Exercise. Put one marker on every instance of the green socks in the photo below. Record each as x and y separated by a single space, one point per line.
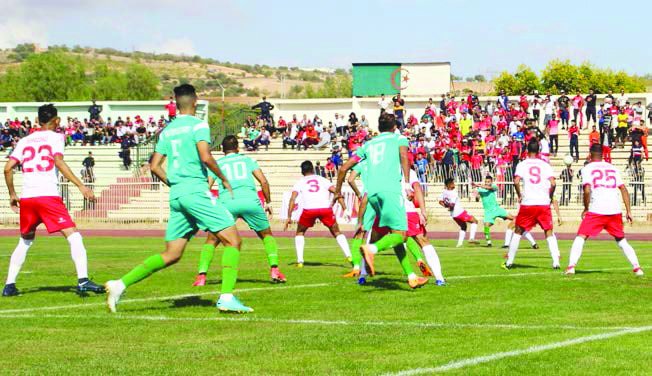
356 256
205 258
402 258
414 248
272 250
487 233
389 241
230 260
149 266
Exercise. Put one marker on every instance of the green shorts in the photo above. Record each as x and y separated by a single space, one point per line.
390 209
368 218
491 215
249 210
196 212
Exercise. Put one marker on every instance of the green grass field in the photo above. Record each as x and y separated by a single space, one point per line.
487 320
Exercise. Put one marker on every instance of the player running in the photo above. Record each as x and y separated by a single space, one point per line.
451 201
387 158
365 218
602 210
185 142
535 197
40 154
241 171
315 194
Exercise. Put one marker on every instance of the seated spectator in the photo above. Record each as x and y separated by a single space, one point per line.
290 136
311 137
324 140
281 126
251 137
264 138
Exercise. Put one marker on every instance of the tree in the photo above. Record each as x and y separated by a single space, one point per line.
479 78
142 84
22 51
53 76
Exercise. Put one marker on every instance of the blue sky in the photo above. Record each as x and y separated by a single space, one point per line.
477 37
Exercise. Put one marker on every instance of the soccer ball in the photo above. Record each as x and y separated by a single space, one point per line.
568 160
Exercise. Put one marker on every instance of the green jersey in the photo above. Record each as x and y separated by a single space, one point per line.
488 197
239 170
361 169
178 142
383 172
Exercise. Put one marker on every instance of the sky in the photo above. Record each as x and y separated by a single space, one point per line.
476 36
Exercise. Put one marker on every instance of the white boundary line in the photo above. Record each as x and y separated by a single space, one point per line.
509 354
172 297
161 298
415 324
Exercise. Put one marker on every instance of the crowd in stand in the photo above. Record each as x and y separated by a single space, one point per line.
466 139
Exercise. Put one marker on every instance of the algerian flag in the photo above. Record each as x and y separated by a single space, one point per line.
415 79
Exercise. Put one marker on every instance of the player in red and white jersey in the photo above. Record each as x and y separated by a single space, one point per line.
315 193
40 154
450 200
603 189
535 197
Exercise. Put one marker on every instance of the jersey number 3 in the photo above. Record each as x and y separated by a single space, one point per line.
314 185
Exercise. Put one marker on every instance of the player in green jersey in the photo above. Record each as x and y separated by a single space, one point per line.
492 209
387 176
185 143
242 171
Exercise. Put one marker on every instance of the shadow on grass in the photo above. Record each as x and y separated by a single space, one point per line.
312 263
379 284
49 289
192 301
217 281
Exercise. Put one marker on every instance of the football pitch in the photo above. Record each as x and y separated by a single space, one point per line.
487 321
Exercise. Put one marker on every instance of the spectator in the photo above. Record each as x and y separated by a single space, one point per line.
94 111
251 138
573 137
399 110
353 120
264 138
265 109
591 101
290 137
320 170
383 103
324 139
340 126
636 154
172 109
281 126
578 104
125 152
330 169
311 138
621 130
564 103
89 164
594 136
567 183
622 99
548 110
364 123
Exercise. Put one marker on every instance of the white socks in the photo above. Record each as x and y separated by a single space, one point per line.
433 261
474 228
341 241
78 253
299 243
373 249
576 251
460 238
629 253
17 259
508 236
529 237
554 250
513 247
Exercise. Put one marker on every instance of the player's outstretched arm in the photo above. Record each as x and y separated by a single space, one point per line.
9 179
337 198
156 167
352 183
62 166
204 150
264 185
341 174
628 206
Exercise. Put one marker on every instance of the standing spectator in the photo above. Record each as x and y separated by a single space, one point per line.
89 164
548 109
125 152
622 99
265 109
399 110
94 111
621 130
567 183
590 101
353 120
330 169
523 102
443 105
594 136
503 101
578 104
383 103
536 107
340 125
320 170
172 109
573 137
564 103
